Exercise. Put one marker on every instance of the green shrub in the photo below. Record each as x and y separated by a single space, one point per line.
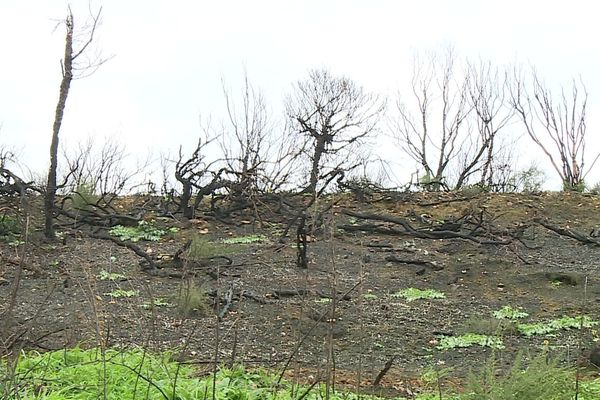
530 180
9 226
84 196
578 187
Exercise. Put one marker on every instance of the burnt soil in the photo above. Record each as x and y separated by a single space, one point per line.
282 313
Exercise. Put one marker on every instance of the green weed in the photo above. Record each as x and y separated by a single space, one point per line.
370 296
507 312
412 294
120 293
563 323
110 276
145 230
468 340
249 239
159 302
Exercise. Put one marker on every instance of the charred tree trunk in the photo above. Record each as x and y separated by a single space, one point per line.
65 84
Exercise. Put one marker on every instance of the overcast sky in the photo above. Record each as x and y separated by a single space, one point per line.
170 57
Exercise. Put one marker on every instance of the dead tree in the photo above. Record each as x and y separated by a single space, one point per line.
71 65
333 115
486 87
557 128
197 178
433 146
245 142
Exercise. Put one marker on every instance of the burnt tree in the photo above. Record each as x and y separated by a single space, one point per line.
70 66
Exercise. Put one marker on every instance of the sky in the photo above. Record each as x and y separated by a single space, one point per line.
168 59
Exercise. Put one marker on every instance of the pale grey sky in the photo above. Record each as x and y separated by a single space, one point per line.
169 57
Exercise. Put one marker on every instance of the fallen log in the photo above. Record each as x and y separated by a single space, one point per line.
408 229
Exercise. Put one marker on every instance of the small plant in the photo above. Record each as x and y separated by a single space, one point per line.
412 294
432 376
159 302
530 180
468 340
192 300
16 243
578 187
120 293
144 231
249 239
507 312
370 296
111 276
201 248
595 189
84 197
563 323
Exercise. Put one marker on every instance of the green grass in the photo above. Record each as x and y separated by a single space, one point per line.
78 374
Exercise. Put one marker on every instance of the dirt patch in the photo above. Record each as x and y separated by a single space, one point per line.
344 305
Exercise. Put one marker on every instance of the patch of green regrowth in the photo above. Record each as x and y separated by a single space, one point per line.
158 302
564 323
578 187
370 296
412 294
111 276
433 376
595 189
508 312
84 197
530 180
122 293
248 239
192 300
10 227
468 340
146 231
201 248
78 374
555 284
540 378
